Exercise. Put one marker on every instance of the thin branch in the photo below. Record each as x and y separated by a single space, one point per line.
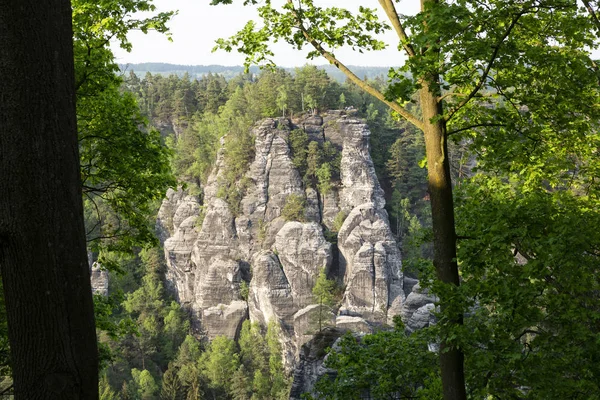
116 235
355 79
7 390
592 14
99 137
458 94
473 126
97 215
486 72
506 97
527 331
460 237
450 94
390 10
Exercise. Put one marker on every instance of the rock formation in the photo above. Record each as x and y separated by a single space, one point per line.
311 360
99 279
257 265
98 276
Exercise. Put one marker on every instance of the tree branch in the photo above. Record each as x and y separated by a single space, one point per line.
486 72
473 126
6 391
390 10
97 215
355 79
592 14
458 94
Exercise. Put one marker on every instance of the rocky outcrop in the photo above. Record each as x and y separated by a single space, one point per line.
257 265
311 360
177 207
270 292
369 258
98 275
176 227
217 298
303 252
417 310
274 178
99 279
359 180
370 261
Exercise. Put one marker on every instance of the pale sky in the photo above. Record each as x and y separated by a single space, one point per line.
198 25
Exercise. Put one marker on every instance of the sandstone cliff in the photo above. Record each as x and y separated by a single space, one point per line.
226 268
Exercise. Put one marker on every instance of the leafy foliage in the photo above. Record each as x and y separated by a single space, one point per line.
219 363
535 324
298 141
125 171
125 167
294 208
324 292
142 329
387 364
338 221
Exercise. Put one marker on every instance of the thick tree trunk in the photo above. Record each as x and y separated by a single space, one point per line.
42 238
444 233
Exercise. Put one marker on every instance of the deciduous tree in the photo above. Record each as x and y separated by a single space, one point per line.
43 256
466 61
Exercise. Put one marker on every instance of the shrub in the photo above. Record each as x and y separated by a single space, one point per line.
244 290
338 221
294 207
298 141
200 219
262 230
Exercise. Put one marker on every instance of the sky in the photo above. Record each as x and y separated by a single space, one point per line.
197 25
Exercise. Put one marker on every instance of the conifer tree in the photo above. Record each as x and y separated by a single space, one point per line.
324 294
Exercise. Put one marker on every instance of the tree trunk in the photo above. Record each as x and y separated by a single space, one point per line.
43 256
444 234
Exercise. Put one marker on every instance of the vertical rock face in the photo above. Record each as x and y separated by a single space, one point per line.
371 265
99 279
370 260
257 265
98 276
359 181
311 362
176 231
270 293
217 301
302 251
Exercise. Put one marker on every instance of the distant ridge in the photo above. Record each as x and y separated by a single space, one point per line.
198 71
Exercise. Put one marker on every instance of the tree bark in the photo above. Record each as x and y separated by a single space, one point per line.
43 257
444 233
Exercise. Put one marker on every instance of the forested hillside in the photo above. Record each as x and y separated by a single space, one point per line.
424 235
193 114
228 72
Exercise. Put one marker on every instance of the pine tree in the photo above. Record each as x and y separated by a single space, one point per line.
171 388
253 349
324 294
280 385
218 364
104 389
342 100
241 385
282 99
